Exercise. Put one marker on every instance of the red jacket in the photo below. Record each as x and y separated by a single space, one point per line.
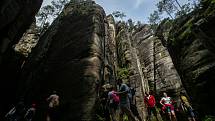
150 101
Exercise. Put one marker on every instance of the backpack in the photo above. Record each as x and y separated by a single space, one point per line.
115 97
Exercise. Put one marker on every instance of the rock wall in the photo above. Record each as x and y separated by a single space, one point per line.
129 61
15 17
156 64
192 50
28 40
68 58
110 51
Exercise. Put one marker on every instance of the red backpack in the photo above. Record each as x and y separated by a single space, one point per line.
115 97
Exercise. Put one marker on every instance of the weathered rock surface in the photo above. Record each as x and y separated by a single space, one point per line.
129 61
157 63
68 58
15 17
28 41
110 51
192 50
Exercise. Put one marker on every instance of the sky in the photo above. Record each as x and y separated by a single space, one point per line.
137 10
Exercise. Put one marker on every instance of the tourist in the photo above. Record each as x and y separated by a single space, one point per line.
124 102
113 100
53 100
167 102
186 106
150 102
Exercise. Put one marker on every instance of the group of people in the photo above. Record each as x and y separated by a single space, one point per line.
168 106
20 113
123 100
112 100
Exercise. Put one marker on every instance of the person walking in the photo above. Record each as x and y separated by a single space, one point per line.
124 102
150 102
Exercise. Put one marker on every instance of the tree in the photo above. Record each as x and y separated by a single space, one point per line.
43 15
166 6
58 5
130 24
185 9
154 19
119 14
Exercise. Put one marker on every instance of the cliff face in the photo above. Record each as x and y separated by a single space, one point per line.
28 41
192 50
110 51
68 58
129 68
15 17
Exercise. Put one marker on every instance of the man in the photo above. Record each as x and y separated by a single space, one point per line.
124 102
150 104
53 100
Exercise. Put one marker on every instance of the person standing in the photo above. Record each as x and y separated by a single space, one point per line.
150 104
186 106
167 102
113 100
53 100
124 102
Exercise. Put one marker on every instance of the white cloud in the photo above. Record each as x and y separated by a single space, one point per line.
138 3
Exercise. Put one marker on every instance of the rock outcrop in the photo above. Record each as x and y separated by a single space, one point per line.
68 58
156 63
15 17
28 40
192 50
129 68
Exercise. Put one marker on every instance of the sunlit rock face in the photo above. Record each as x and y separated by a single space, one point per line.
156 63
68 58
192 50
15 17
129 61
28 41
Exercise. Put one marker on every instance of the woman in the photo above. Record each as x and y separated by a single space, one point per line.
167 105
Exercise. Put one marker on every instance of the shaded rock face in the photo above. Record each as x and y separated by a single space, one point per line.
110 51
156 63
68 58
15 17
192 50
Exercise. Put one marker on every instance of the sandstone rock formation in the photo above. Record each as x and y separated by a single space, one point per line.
15 17
156 63
192 50
28 41
68 58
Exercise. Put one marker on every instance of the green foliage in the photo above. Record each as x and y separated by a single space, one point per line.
123 73
48 13
154 19
119 14
166 6
209 118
